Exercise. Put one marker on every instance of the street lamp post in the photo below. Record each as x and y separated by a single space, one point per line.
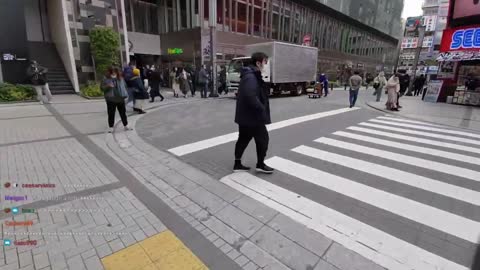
212 24
421 36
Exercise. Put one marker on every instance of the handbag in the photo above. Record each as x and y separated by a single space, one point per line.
123 89
376 85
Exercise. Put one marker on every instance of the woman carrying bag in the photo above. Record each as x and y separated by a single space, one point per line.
115 93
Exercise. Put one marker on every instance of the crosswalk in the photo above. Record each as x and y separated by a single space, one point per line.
440 163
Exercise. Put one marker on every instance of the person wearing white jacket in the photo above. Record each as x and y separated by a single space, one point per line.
379 84
393 88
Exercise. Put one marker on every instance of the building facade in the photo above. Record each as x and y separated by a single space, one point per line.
175 32
433 21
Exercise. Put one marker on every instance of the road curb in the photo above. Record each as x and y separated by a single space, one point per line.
416 119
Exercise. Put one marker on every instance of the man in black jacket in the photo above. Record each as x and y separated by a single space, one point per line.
37 75
252 114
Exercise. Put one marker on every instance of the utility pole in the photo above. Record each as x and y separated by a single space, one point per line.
421 36
212 24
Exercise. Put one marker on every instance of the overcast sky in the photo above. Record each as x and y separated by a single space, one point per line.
412 8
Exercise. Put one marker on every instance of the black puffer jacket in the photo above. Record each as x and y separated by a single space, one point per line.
253 107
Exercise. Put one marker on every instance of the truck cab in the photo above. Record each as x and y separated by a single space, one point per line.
233 72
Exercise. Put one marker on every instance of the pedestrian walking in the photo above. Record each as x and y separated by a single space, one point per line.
393 88
404 79
155 84
140 94
176 82
203 82
222 79
418 84
355 83
324 81
368 80
127 76
253 114
183 80
379 84
38 78
191 80
115 93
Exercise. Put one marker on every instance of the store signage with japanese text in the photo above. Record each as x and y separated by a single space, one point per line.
461 39
429 22
409 42
456 56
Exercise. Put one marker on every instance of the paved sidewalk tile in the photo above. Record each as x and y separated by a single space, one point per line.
30 129
162 251
77 245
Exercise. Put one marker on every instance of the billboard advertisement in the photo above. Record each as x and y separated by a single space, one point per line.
466 8
465 38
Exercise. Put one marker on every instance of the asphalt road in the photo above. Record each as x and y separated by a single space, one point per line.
411 190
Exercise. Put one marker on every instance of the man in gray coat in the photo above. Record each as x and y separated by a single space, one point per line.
355 83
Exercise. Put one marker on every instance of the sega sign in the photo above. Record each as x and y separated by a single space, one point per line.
466 39
461 39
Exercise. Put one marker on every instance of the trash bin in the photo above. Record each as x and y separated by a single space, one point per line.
450 99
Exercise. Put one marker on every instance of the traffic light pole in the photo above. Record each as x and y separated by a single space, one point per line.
212 23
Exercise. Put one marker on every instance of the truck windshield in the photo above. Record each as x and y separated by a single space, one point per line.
236 65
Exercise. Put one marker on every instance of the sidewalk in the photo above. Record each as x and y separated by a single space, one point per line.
442 113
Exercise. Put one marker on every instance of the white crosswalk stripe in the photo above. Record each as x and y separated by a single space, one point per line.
443 130
423 150
383 247
422 133
396 119
425 183
416 139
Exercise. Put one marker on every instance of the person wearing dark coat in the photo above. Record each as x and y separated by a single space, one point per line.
140 94
253 114
418 84
202 81
155 82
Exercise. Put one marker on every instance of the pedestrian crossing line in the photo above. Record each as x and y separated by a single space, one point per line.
413 148
416 139
444 221
414 161
417 181
443 130
212 142
388 118
422 133
381 248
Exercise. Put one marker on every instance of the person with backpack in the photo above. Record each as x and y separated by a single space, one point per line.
115 93
38 77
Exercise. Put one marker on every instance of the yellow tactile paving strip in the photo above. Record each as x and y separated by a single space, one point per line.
163 251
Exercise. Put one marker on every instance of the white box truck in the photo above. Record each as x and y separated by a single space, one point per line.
291 68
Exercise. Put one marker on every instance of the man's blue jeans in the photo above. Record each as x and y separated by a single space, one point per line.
353 97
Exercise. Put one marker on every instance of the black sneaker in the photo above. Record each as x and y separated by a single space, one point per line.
240 168
264 169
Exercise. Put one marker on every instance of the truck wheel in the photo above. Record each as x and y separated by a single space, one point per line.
298 90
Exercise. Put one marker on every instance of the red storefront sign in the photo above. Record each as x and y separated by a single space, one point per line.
465 38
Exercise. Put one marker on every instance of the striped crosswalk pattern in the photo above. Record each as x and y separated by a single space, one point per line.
438 162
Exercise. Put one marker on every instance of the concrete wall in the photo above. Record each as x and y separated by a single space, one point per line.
61 36
37 21
144 43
